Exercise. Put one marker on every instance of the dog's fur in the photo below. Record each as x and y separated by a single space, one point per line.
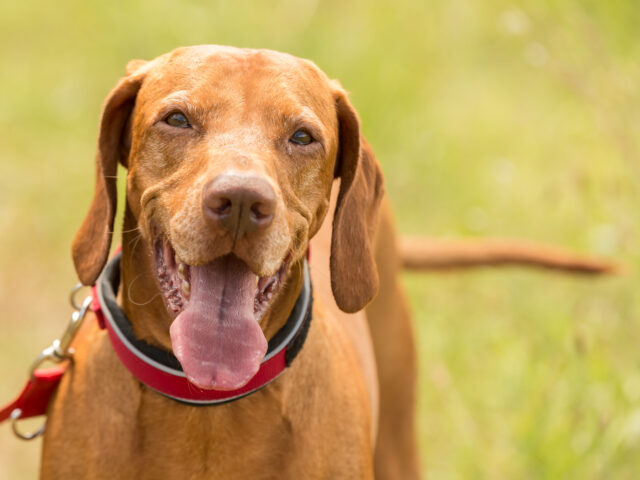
324 417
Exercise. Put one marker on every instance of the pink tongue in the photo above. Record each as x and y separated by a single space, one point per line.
216 337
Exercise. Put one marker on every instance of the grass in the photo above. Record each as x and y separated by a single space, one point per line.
490 118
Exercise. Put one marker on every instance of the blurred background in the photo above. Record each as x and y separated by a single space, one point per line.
492 118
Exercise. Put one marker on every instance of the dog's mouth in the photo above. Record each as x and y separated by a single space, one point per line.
217 308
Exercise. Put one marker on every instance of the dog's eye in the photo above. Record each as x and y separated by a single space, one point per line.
301 137
177 119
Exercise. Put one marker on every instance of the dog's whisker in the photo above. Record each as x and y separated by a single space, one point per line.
131 230
144 303
129 296
135 239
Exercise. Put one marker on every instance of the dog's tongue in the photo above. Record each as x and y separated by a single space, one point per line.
216 337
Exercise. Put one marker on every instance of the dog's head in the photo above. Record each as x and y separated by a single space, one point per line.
231 155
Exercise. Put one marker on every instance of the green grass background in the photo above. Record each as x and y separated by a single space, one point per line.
491 118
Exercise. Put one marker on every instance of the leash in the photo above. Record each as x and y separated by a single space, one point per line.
34 398
155 368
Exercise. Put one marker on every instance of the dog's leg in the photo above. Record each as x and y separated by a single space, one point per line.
396 453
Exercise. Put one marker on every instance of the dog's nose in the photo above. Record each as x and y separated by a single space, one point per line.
239 204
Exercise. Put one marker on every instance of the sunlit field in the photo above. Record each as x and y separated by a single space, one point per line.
492 118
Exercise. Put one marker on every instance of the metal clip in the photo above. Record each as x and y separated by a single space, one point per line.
15 416
58 351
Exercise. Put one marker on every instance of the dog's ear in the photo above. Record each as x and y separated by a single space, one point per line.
92 242
354 277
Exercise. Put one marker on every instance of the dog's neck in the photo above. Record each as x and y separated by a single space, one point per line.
142 302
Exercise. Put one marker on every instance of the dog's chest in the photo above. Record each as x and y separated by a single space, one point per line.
309 419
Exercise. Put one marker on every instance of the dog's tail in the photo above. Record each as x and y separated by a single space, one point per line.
418 253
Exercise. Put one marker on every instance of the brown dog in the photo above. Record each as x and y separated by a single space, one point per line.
231 158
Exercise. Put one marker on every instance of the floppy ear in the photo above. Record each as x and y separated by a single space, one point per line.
91 244
354 277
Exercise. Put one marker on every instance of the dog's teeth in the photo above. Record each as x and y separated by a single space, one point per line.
186 287
181 271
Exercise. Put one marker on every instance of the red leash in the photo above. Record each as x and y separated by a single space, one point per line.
35 396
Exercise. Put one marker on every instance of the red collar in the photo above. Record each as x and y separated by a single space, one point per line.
156 368
161 371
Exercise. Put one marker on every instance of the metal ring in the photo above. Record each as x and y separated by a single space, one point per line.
15 416
48 354
72 296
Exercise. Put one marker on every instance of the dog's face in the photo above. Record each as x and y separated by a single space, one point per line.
232 152
231 155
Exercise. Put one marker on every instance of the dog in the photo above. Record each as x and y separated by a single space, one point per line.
231 157
243 167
